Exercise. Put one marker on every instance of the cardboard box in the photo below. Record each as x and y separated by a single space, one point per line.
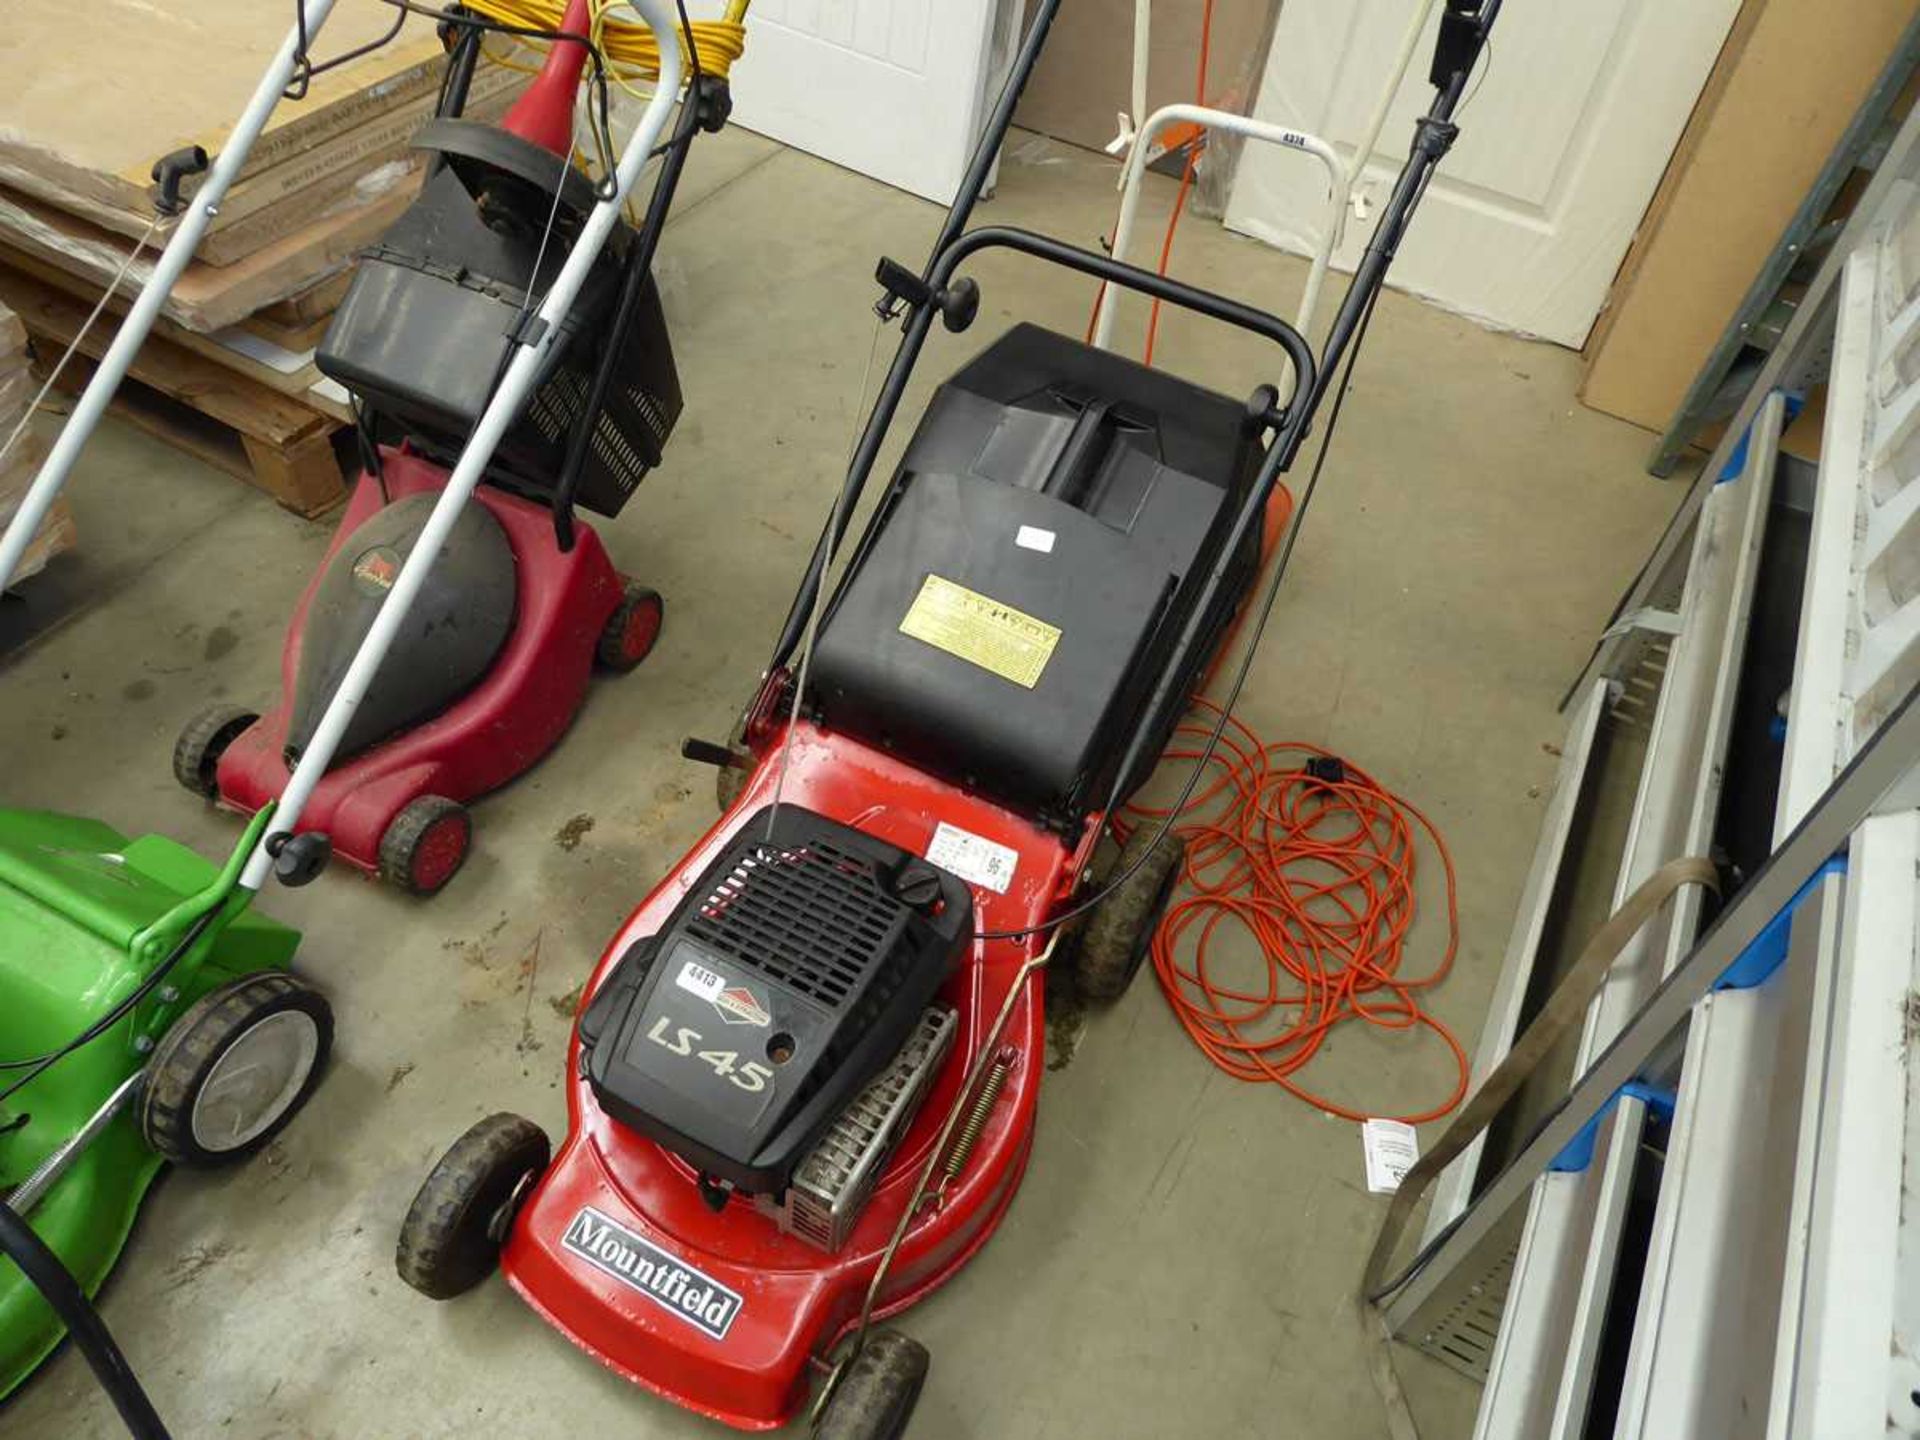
1085 75
1790 77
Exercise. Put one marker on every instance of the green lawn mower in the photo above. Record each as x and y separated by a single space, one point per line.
156 1022
146 1015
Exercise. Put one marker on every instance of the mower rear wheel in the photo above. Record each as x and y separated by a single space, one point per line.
629 635
874 1398
196 754
1120 928
426 844
451 1238
233 1070
728 782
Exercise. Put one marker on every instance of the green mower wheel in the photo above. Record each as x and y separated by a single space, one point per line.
231 1072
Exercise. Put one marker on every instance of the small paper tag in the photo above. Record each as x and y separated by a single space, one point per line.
701 981
1032 537
1391 1147
974 858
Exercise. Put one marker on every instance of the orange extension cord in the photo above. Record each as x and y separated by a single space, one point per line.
1322 874
1194 147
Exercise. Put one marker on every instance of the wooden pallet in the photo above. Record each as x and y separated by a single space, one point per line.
56 534
195 403
296 376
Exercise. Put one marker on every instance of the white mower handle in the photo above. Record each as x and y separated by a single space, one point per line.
488 431
192 224
1340 176
1339 187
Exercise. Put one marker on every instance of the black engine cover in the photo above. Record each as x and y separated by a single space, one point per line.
1037 553
446 644
788 977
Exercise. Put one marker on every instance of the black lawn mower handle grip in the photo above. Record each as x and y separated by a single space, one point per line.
1131 277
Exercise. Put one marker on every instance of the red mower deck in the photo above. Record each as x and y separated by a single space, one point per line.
793 1301
495 731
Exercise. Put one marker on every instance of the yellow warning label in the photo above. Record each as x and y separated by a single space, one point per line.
979 629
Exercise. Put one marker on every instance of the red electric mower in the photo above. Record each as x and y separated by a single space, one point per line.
491 664
801 1088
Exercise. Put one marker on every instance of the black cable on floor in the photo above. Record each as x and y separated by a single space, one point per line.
54 1281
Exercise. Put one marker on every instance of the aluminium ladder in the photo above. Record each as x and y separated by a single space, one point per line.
1733 1257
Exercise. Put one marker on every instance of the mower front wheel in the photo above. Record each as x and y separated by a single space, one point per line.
1119 931
874 1398
205 738
425 845
632 630
451 1238
233 1070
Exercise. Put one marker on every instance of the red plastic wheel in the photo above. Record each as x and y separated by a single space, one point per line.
441 849
631 631
426 844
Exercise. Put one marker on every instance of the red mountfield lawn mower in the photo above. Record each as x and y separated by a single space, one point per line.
801 1088
490 665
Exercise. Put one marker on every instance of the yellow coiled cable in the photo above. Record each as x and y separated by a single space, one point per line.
627 48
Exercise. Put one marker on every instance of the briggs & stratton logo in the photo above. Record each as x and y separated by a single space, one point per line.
740 1006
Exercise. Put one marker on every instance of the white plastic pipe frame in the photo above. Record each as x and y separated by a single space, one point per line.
1339 187
205 204
501 411
1340 176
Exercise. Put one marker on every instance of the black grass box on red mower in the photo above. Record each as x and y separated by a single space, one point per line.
145 1015
802 1085
493 659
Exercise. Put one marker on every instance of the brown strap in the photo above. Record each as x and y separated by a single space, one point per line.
1564 1008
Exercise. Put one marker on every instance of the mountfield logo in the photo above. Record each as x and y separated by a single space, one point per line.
679 1289
375 570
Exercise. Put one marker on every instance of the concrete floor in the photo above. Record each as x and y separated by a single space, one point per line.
1181 1260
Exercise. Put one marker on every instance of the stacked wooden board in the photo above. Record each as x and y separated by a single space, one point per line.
86 110
18 464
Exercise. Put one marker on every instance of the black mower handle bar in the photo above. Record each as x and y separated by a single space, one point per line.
937 294
1463 31
1131 277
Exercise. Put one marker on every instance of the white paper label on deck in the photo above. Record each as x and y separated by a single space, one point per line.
974 858
701 981
1032 537
1391 1147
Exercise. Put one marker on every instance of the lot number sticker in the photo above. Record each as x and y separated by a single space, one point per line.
974 858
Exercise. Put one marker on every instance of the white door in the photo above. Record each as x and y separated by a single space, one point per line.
1563 140
891 88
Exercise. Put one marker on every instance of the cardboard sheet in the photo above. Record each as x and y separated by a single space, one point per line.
1786 87
208 297
92 92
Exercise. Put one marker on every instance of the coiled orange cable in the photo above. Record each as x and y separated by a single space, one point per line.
1322 873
